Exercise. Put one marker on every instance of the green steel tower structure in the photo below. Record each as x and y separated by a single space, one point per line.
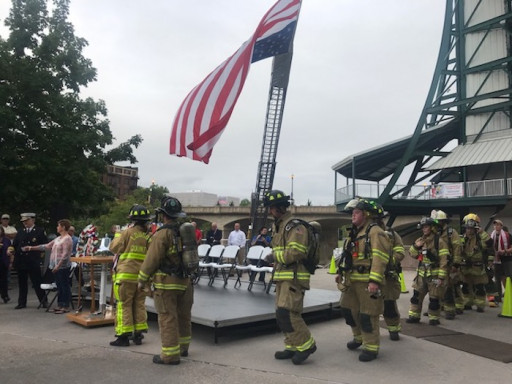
460 154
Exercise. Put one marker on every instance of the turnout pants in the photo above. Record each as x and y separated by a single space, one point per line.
174 309
131 315
473 288
361 312
423 286
391 292
289 305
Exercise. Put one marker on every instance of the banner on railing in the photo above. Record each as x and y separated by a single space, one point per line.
449 191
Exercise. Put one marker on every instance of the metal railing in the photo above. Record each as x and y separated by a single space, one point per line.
483 188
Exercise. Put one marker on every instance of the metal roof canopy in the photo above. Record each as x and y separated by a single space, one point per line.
377 163
482 152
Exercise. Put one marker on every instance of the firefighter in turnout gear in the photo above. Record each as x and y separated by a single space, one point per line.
131 246
392 289
173 292
361 276
453 301
477 252
289 247
432 253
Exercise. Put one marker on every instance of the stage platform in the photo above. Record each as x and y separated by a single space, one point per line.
218 307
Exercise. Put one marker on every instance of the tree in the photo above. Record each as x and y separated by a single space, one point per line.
53 142
245 203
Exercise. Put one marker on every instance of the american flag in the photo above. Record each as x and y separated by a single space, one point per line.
206 110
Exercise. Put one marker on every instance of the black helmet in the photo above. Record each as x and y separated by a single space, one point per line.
171 207
276 197
369 206
427 221
139 213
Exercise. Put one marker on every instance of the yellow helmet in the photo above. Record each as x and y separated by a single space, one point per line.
471 216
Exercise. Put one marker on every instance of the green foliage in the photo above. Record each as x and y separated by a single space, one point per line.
245 203
119 209
53 142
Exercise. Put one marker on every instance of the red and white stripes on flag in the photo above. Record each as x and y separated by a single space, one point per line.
206 110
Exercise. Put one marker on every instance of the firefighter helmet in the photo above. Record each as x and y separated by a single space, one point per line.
139 213
471 220
425 220
438 215
171 207
276 198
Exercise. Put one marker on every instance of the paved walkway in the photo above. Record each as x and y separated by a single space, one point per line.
36 346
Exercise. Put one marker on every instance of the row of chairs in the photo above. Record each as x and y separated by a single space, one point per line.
224 259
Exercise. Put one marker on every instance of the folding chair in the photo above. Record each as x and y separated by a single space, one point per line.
252 257
226 263
213 258
52 287
261 268
202 251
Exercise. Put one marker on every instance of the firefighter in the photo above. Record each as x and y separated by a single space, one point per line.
173 293
289 247
453 302
392 289
432 254
361 276
477 252
131 246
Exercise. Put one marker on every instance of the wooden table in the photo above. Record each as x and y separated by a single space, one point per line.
92 318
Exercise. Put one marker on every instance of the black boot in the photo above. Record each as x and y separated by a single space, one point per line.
394 336
354 344
300 356
413 320
137 338
121 341
367 356
283 355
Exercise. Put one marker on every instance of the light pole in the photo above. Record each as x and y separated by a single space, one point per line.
291 194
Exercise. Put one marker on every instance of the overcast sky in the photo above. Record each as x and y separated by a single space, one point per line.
359 78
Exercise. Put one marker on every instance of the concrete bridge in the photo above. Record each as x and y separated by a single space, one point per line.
330 220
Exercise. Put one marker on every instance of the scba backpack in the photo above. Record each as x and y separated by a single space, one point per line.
313 254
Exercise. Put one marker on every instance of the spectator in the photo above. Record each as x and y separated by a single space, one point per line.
71 232
264 240
214 235
5 263
60 263
237 237
502 257
28 263
9 230
199 234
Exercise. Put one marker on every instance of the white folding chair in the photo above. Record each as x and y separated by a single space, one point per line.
202 250
52 287
259 268
212 259
226 263
252 257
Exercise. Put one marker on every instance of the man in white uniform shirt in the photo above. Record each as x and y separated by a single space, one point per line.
237 237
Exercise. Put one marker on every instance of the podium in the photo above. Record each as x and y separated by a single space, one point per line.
93 318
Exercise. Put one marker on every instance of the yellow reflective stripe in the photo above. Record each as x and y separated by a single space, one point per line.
371 347
171 351
381 255
290 348
444 252
126 276
374 276
354 276
399 248
173 287
289 275
141 326
298 246
308 344
185 340
143 276
132 256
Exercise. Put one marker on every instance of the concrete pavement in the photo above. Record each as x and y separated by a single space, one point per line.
36 346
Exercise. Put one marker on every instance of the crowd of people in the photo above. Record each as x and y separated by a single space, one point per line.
456 272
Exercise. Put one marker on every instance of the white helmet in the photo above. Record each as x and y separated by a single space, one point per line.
438 215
